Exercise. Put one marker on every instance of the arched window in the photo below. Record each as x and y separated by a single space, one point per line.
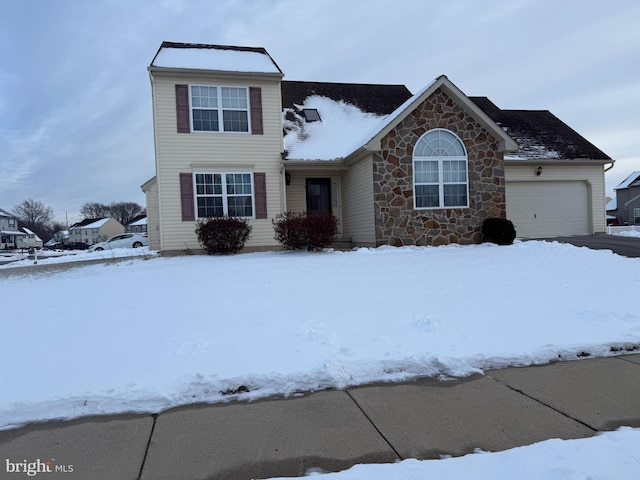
440 177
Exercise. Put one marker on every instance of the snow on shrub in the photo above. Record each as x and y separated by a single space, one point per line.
223 235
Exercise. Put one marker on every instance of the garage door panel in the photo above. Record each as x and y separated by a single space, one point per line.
548 209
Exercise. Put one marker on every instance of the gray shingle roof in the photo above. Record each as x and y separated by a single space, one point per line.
540 134
378 99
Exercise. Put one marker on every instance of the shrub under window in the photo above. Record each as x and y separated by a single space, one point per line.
223 235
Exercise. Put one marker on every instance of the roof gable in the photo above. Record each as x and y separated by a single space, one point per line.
540 134
632 180
505 141
4 213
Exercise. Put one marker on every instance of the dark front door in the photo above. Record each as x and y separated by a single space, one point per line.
318 195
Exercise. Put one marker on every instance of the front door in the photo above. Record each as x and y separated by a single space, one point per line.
318 195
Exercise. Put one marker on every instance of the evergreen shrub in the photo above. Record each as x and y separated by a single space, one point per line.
498 230
302 231
223 235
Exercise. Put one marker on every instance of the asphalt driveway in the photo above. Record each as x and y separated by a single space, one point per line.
626 246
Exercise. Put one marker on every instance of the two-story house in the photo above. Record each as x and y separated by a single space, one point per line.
625 207
137 225
10 234
92 230
233 138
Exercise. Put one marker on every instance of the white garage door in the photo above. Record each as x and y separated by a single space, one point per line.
548 209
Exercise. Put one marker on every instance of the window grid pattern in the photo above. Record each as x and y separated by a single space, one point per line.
224 194
440 171
215 109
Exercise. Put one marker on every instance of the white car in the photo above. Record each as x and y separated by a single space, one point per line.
126 240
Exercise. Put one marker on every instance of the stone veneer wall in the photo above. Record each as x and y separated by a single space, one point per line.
396 221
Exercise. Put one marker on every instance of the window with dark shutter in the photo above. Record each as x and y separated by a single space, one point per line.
182 108
255 99
186 197
260 192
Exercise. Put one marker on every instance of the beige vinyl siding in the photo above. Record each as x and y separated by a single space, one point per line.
591 174
297 194
153 230
214 152
357 195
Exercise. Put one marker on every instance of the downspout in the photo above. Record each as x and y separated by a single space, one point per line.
283 190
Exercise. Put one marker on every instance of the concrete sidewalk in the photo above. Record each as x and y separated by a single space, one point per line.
333 430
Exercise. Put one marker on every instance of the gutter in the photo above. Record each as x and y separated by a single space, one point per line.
613 162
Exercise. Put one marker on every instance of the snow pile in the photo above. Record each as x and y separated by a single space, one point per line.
630 233
49 257
143 336
607 456
333 136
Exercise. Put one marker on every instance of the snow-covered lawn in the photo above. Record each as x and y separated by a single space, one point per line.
152 333
145 335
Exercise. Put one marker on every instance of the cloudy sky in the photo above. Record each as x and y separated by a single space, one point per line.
75 98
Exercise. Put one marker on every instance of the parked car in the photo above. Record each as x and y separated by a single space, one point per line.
55 246
75 246
67 246
126 240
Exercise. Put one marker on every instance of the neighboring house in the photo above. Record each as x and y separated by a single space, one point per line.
93 230
232 138
625 207
29 240
137 225
10 234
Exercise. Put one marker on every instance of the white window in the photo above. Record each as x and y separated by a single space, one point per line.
219 109
636 216
224 194
440 178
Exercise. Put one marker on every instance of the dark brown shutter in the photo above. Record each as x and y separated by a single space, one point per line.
260 189
255 101
186 197
182 108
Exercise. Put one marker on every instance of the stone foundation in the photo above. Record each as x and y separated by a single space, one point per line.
396 221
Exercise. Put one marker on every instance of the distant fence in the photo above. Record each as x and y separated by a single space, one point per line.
626 228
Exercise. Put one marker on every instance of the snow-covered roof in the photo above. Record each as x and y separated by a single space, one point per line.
632 180
612 204
215 57
29 232
89 224
141 221
4 213
342 129
12 232
345 128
